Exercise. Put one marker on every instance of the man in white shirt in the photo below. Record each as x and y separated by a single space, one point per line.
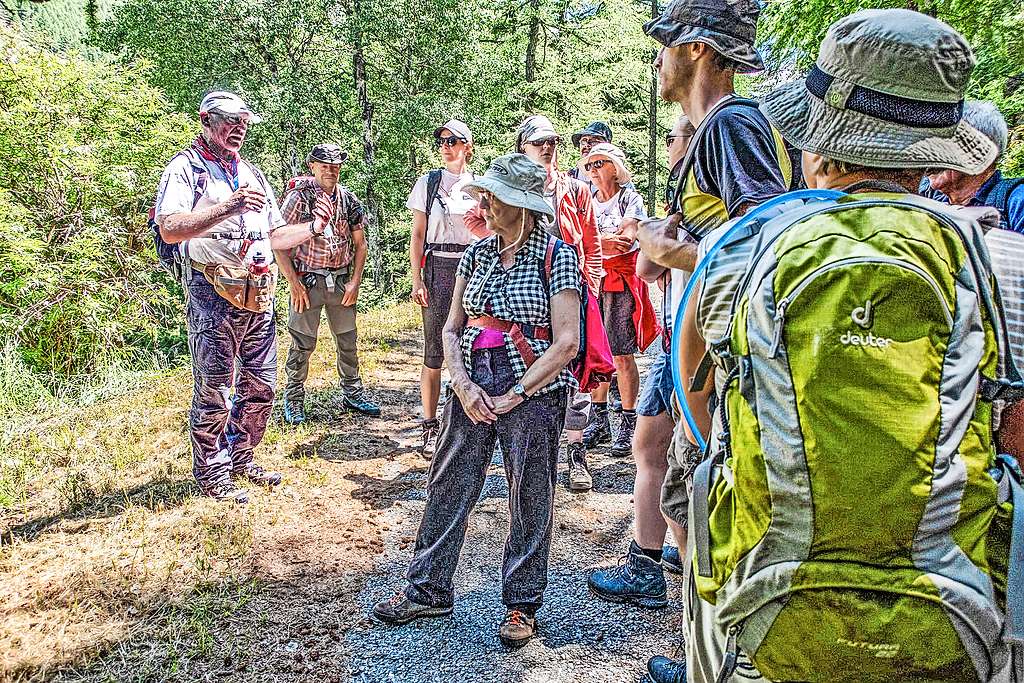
221 212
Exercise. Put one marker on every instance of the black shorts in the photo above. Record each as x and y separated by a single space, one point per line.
617 312
439 279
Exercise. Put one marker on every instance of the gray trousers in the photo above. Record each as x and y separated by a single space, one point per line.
529 443
234 371
304 328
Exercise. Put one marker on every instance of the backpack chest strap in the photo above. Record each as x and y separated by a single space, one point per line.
517 332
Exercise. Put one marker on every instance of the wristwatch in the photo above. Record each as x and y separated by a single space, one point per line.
520 391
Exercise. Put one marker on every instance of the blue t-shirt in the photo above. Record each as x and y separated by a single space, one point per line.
1011 216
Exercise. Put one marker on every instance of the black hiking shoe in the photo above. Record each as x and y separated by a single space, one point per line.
661 669
401 610
614 399
429 439
362 406
517 628
225 491
599 430
579 474
258 475
294 412
638 580
623 443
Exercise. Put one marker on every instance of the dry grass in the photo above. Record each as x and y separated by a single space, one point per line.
104 537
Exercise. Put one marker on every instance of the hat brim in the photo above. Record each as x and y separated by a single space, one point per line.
510 195
578 137
673 34
811 125
344 158
437 133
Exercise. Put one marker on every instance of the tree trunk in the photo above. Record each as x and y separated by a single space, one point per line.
373 226
531 53
652 129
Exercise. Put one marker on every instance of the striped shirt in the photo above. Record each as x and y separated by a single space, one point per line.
1006 250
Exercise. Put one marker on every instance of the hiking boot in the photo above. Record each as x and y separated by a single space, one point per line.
258 475
638 580
401 610
294 412
361 405
614 399
579 473
225 491
599 430
517 628
623 443
661 669
429 440
671 560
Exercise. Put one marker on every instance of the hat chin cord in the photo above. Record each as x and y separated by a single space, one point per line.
522 231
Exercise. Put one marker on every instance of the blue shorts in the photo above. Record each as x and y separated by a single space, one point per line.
656 395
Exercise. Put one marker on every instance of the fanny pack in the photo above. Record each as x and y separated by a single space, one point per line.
241 288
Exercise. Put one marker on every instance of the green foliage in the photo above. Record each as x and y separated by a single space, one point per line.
83 144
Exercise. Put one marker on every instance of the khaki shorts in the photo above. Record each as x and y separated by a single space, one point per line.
683 458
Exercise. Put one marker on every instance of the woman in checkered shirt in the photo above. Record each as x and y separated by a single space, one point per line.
514 326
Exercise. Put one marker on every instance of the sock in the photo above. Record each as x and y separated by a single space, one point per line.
631 412
653 554
600 406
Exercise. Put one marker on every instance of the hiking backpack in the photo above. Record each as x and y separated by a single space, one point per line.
170 256
853 521
999 198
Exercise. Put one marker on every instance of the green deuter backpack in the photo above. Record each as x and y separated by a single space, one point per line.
855 522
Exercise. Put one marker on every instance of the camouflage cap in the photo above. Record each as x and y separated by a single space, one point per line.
327 153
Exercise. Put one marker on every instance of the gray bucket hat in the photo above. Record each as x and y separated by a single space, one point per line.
729 27
887 91
516 181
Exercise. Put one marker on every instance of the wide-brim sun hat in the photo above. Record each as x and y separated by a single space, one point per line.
614 154
327 153
886 91
729 27
515 180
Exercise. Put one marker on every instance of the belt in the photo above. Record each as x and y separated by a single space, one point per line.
517 332
445 248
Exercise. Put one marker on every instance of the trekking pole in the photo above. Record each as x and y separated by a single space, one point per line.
677 337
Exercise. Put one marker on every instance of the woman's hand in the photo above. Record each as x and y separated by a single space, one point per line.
419 293
478 406
506 402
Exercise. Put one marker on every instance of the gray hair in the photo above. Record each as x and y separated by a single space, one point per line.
987 118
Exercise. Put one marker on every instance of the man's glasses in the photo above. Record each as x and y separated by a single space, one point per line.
231 119
554 142
591 165
449 141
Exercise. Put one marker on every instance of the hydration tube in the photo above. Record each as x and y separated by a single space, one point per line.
677 326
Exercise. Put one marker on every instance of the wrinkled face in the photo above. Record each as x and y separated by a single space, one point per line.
678 141
675 72
601 170
226 130
452 146
326 174
947 181
541 151
501 218
587 143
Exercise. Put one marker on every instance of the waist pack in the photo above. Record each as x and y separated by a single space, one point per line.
854 521
242 289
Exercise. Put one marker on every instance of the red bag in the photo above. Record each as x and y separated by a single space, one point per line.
593 364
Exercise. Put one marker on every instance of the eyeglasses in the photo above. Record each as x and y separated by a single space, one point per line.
554 142
449 141
231 119
590 165
670 138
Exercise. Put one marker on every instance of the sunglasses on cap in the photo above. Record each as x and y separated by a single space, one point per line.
599 163
554 142
448 141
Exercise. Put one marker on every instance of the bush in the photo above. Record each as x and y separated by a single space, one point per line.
83 142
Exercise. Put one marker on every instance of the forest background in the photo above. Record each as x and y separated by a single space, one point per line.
97 95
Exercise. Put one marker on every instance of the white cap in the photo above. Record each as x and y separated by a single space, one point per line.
614 154
224 102
458 128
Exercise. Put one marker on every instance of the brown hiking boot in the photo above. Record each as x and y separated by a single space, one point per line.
401 610
258 475
428 443
579 473
225 490
517 628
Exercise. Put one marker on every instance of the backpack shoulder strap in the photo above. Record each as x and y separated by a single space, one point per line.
433 188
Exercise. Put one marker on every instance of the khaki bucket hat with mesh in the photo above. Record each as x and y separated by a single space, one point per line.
886 91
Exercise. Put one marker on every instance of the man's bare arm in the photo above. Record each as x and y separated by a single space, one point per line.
660 244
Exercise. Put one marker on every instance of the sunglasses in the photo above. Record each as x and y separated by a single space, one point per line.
231 119
669 139
449 141
554 142
600 163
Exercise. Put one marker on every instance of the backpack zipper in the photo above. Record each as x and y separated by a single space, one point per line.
779 319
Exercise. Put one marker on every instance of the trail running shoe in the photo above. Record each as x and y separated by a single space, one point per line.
429 439
258 475
401 610
671 560
517 628
294 412
362 406
225 491
661 669
638 580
